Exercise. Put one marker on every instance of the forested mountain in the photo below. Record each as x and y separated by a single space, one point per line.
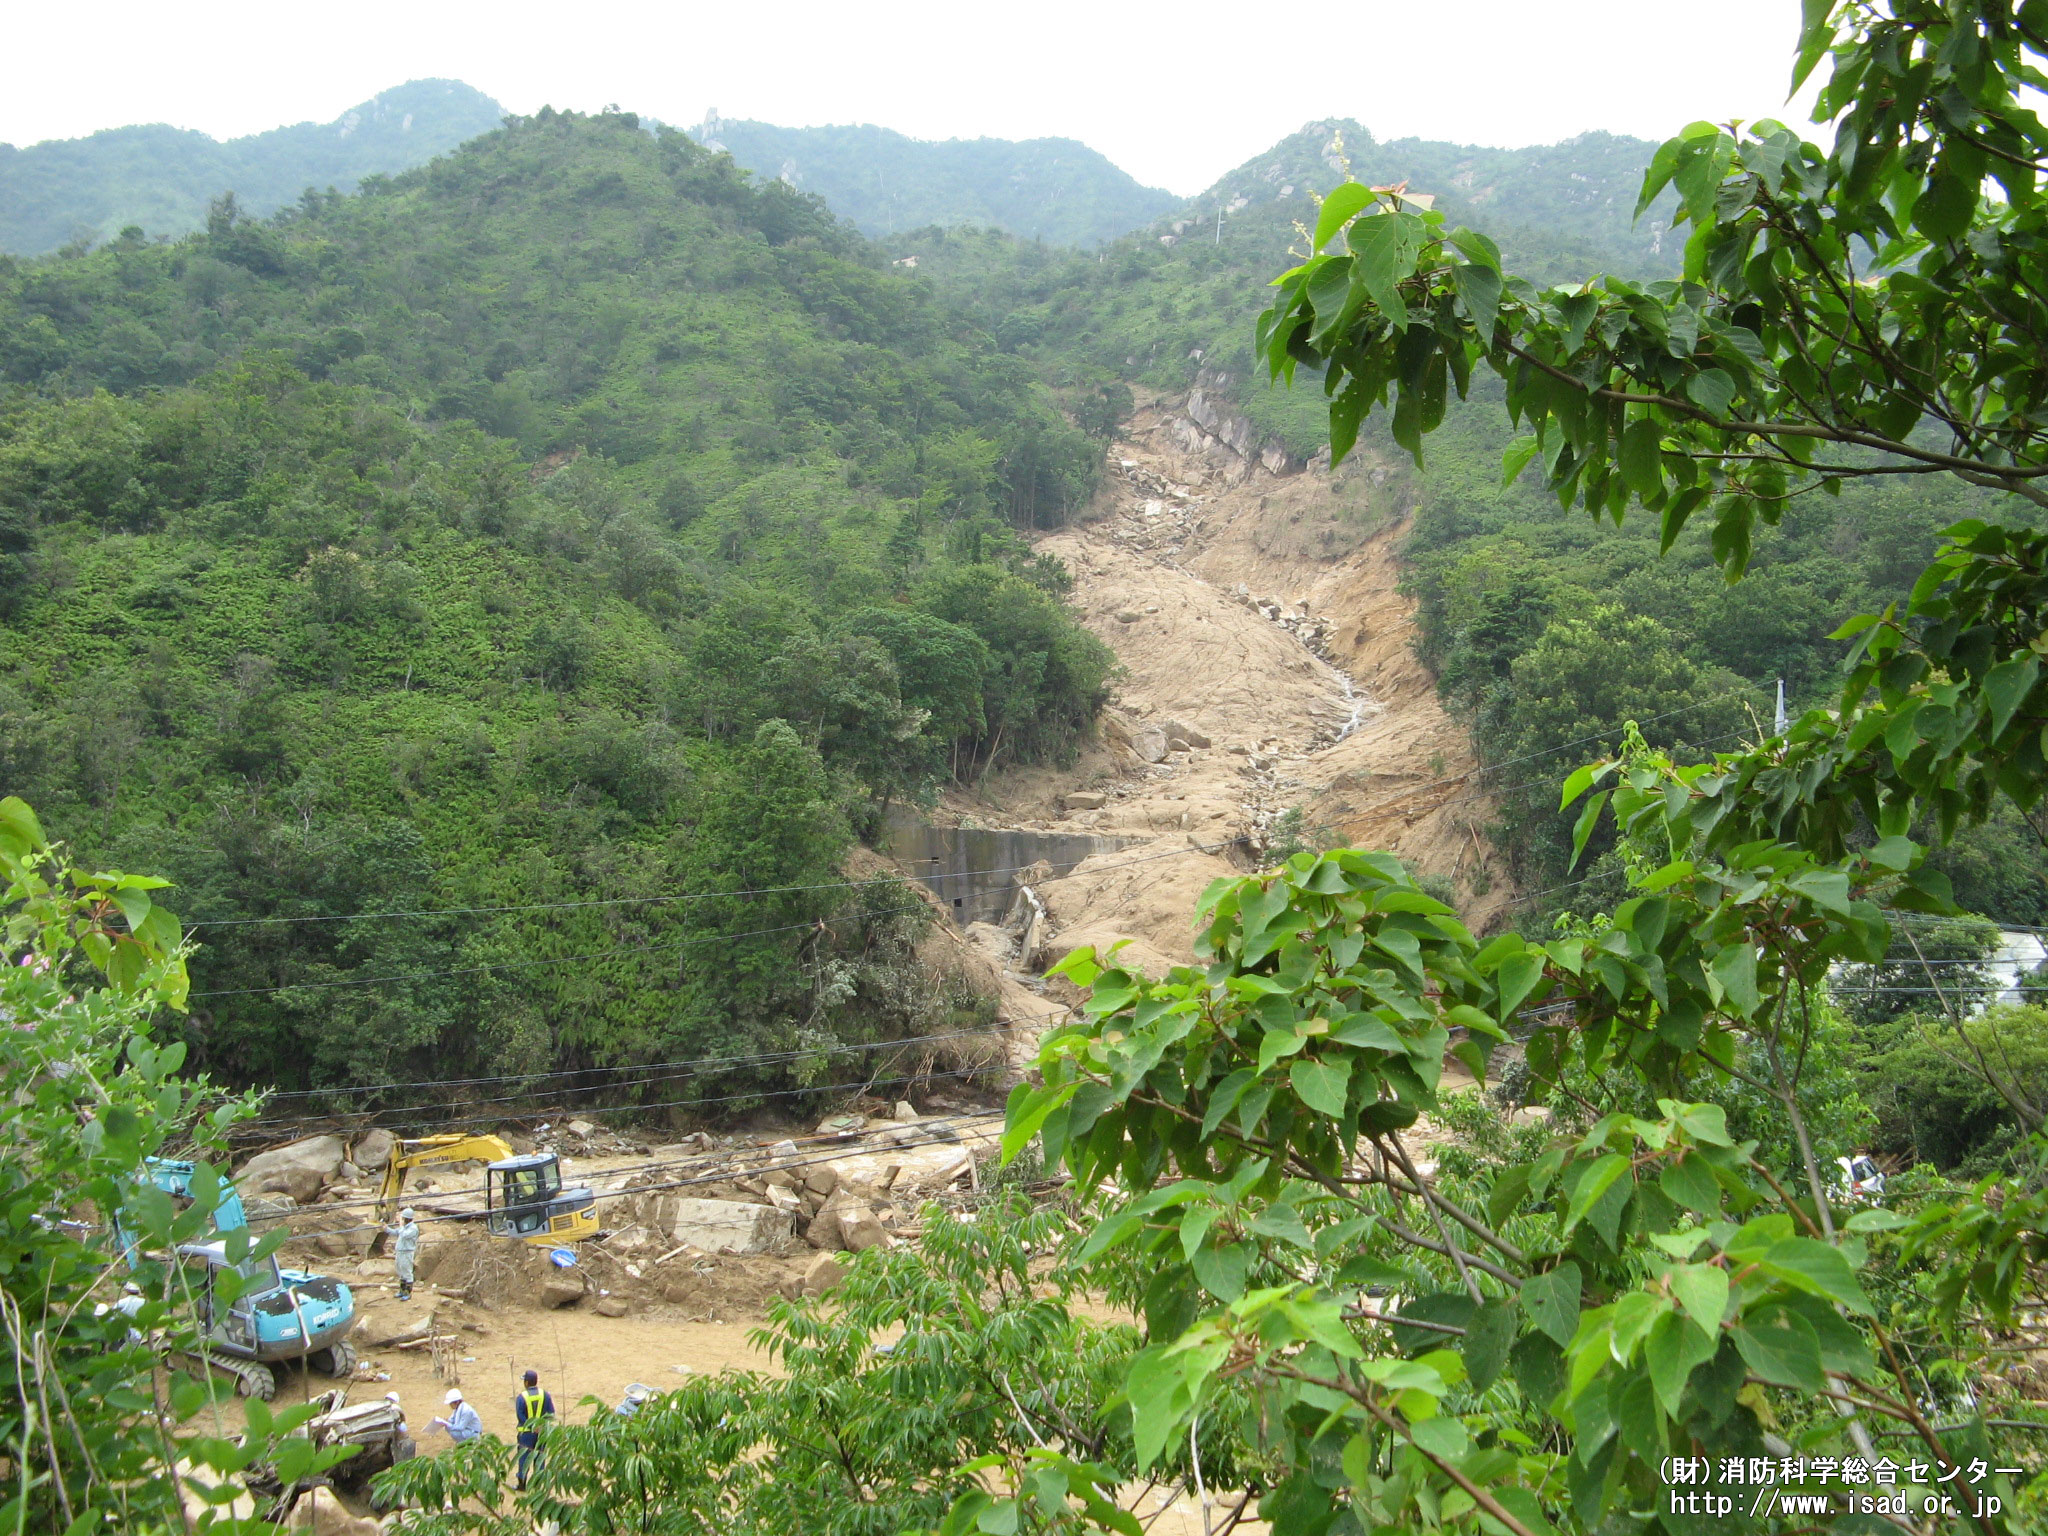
1548 632
1052 190
569 521
160 179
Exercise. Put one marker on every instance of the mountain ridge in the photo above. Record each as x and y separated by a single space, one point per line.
1054 189
161 179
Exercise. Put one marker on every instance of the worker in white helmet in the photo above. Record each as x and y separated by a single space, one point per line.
462 1422
405 1250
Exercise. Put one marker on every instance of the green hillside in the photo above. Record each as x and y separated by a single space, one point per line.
1052 190
568 521
160 179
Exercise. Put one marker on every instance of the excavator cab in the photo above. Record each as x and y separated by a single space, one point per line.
524 1198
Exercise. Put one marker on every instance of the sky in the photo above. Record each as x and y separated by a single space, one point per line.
1176 95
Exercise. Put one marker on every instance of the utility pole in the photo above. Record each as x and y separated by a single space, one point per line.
1780 728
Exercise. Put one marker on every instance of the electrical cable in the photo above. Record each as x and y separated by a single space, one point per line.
518 965
679 896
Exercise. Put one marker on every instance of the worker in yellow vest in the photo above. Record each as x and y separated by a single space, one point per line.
530 1407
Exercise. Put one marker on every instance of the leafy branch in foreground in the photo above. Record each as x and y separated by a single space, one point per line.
1604 1333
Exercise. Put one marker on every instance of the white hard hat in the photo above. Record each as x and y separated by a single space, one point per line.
130 1288
406 1214
454 1396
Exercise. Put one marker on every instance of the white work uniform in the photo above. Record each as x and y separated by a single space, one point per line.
405 1250
463 1423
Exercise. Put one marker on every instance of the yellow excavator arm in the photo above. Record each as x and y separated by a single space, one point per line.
408 1155
544 1213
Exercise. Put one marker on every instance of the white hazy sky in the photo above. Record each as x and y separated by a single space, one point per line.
1177 94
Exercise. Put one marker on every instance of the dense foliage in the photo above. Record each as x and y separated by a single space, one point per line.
568 522
93 1416
159 180
1056 191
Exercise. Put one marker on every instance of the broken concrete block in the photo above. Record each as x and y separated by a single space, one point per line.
727 1226
861 1229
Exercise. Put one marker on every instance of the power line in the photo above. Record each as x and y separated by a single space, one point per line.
679 896
517 965
726 1064
709 1062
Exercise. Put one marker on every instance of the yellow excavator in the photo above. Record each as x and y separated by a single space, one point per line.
523 1195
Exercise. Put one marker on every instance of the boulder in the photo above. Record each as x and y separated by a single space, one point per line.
906 1112
1127 615
1149 744
323 1155
333 1244
584 1128
822 1275
783 1198
611 1306
374 1333
560 1293
373 1150
823 1233
840 1125
821 1180
301 1185
1083 800
861 1229
782 1151
725 1226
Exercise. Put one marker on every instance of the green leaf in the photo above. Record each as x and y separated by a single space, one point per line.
1338 209
1477 248
1594 1183
1221 1269
1673 1350
1702 1289
1735 970
1945 208
1642 458
1551 1301
1589 818
1385 256
1479 294
2006 687
1321 1085
1784 1350
1517 977
1817 1267
1712 390
1489 1336
1516 458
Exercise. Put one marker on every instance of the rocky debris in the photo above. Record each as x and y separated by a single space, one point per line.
841 1125
860 1229
723 1226
560 1292
373 1150
822 1275
372 1332
611 1306
300 1171
1082 800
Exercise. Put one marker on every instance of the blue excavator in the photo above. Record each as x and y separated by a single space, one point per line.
278 1315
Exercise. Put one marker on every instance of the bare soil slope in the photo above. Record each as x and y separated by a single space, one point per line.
1267 666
